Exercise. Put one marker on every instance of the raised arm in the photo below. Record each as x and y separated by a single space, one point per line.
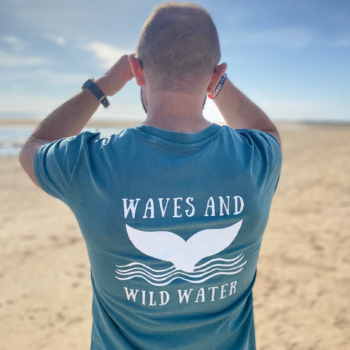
70 118
240 112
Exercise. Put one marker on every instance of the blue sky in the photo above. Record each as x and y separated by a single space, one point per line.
292 58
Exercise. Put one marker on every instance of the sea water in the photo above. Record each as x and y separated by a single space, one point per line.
12 138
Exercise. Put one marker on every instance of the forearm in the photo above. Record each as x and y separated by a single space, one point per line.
69 119
239 111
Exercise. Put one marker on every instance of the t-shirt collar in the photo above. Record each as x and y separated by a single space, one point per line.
180 137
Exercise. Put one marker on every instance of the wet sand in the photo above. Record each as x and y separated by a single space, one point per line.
302 291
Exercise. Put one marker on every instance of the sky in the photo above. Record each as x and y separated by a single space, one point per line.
292 58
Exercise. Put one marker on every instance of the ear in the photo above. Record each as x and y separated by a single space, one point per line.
137 69
220 69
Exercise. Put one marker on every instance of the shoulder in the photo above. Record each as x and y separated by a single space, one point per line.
98 140
256 149
252 136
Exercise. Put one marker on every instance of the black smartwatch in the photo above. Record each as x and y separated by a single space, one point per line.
89 84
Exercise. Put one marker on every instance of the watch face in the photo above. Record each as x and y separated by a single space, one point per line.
105 102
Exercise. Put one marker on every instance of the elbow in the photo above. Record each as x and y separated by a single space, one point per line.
21 157
25 152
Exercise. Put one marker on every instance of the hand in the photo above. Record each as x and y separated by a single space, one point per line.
116 77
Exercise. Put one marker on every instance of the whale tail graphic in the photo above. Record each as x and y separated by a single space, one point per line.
183 254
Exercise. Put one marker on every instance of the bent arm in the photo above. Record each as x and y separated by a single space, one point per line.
67 120
240 112
70 118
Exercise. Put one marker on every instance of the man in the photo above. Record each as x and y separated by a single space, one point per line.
172 211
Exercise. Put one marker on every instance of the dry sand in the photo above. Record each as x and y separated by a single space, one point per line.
302 294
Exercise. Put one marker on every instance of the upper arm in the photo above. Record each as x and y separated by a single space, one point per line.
51 164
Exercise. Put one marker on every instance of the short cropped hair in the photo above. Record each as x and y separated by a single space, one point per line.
179 48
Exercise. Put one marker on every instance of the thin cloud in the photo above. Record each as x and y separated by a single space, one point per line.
39 105
16 43
107 54
10 39
59 40
49 77
341 43
292 37
11 60
338 43
289 37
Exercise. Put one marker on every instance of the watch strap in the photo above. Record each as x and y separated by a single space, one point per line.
93 87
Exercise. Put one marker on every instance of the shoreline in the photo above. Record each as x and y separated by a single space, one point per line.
30 122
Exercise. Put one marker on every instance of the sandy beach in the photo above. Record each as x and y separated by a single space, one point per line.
301 296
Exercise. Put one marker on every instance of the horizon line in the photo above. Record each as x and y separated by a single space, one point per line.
107 122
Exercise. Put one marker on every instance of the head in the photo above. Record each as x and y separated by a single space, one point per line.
178 51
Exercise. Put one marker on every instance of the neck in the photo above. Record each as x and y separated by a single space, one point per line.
178 123
176 111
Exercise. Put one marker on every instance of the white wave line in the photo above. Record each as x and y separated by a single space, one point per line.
165 276
139 269
137 263
225 265
218 259
185 279
158 278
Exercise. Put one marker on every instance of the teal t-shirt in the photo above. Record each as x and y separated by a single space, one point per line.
173 224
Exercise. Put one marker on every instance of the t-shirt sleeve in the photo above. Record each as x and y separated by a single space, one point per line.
55 162
266 156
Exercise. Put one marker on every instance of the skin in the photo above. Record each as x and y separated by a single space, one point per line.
175 111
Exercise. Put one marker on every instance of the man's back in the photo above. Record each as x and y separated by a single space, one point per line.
173 224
